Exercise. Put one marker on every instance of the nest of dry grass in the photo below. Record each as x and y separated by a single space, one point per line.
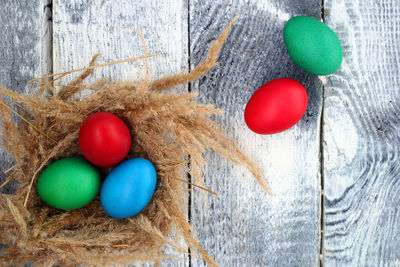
169 130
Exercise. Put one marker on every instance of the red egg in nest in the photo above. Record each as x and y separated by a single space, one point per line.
276 106
104 139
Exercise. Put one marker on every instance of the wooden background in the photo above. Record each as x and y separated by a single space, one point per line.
335 174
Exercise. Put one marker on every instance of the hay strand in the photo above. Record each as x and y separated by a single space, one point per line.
91 67
2 102
198 186
10 169
9 178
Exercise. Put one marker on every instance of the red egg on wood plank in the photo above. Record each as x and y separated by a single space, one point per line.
276 106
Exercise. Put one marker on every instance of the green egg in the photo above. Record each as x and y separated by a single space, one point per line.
68 183
312 45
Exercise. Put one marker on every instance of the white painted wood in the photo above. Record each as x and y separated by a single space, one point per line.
25 53
84 28
245 226
361 136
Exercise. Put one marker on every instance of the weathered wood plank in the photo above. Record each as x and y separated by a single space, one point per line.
84 28
25 52
245 226
361 137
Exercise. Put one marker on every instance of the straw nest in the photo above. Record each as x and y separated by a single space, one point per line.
171 130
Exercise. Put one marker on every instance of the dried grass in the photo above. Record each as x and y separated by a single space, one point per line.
166 130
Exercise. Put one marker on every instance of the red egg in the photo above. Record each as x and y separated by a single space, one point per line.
276 106
104 139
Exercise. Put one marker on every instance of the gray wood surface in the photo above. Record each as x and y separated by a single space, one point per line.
356 152
25 53
361 137
244 226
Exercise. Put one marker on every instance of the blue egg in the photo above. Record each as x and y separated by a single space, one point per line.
128 188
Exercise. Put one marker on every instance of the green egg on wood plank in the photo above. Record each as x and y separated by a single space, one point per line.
68 183
312 45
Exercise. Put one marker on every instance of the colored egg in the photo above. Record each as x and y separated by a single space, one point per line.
104 139
68 183
312 45
128 188
276 106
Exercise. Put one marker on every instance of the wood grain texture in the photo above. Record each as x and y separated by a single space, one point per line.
25 53
244 226
84 28
361 137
